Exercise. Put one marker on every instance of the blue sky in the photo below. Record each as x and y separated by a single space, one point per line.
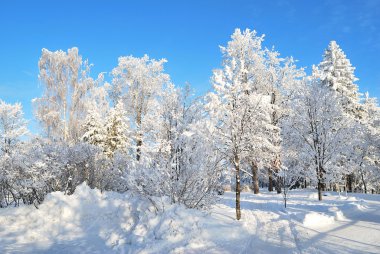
186 33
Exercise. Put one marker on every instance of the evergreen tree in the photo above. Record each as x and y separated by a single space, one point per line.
94 130
117 130
337 72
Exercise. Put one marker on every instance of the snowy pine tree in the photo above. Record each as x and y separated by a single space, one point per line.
337 72
117 131
94 129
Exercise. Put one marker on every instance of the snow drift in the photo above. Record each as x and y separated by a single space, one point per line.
90 221
103 222
317 220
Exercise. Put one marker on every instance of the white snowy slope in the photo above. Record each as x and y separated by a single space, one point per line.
93 222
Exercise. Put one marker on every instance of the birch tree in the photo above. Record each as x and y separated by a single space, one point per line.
62 108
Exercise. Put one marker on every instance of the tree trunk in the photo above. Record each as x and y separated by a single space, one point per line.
320 183
278 184
139 144
237 168
349 180
270 179
255 178
319 190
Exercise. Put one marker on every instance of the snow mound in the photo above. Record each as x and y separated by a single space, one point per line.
63 221
338 214
359 206
103 222
348 198
317 220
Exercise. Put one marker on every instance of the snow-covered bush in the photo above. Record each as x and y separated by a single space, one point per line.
40 166
184 166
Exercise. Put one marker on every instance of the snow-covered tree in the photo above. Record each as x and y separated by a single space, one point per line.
336 72
62 108
12 125
283 78
240 106
319 132
182 164
138 82
367 149
193 166
117 131
94 129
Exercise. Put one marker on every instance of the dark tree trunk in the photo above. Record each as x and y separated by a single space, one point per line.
320 190
349 182
320 182
255 178
278 184
270 179
237 168
138 150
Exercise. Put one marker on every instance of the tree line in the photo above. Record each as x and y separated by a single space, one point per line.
132 129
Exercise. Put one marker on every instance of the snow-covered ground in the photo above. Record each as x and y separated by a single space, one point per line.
93 222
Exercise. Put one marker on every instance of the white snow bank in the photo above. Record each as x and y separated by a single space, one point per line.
62 223
338 214
93 222
89 221
317 220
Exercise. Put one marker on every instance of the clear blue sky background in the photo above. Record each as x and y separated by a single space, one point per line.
187 33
